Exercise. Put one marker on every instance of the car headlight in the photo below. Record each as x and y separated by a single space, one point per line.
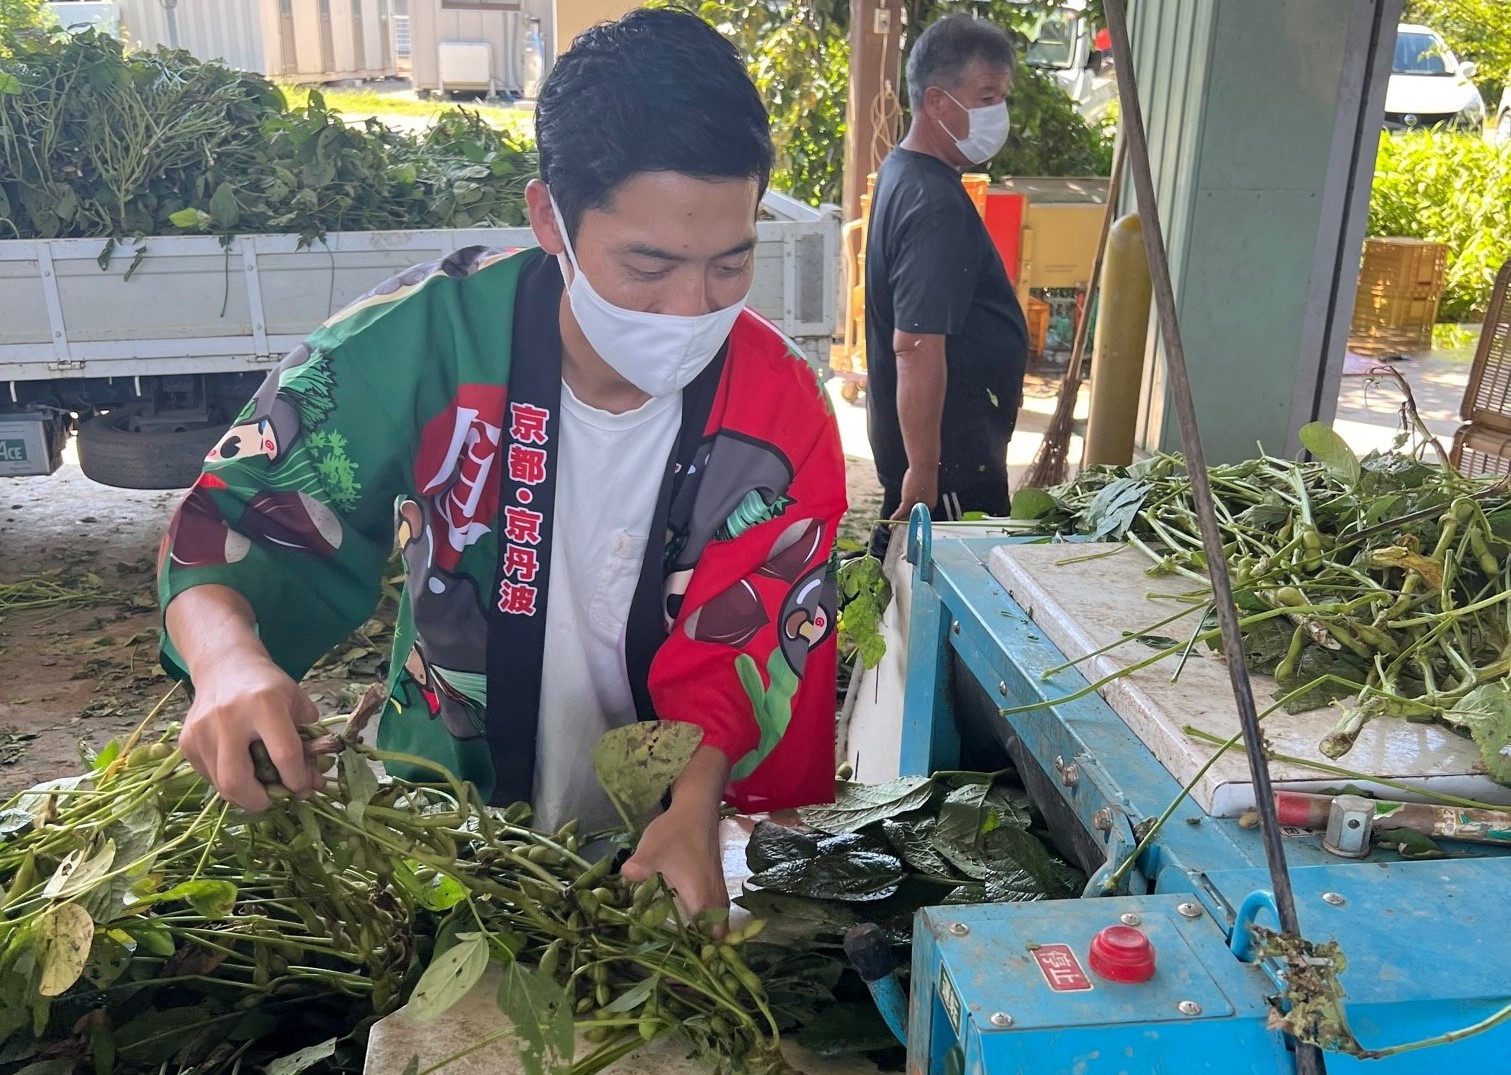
1473 113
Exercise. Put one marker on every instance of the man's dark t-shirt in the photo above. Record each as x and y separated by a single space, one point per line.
932 269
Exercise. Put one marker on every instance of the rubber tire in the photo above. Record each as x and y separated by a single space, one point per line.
111 454
1503 129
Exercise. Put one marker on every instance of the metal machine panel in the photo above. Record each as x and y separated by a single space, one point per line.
1426 945
1009 986
1091 604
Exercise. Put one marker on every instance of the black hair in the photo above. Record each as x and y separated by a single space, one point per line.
657 91
946 49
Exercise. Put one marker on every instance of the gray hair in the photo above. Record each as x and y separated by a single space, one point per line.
946 49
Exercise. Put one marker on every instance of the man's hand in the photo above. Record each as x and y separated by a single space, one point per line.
682 845
918 487
240 697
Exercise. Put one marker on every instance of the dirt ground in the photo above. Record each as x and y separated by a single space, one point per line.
78 620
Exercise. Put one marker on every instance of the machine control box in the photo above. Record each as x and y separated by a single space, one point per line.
1034 987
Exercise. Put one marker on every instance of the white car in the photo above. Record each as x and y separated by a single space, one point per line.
1503 118
1428 86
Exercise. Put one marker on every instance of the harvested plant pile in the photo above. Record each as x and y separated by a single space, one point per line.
1383 581
96 142
149 926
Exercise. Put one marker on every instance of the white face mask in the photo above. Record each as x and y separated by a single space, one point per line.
987 133
660 354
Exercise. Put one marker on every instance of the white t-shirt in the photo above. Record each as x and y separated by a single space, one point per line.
609 473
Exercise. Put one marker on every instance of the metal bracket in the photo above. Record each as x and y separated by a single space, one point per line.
254 296
60 346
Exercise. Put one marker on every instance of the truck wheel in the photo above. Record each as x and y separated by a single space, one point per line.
111 452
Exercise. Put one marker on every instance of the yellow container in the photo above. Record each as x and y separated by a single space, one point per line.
975 185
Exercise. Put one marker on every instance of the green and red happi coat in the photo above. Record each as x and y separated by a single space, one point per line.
426 412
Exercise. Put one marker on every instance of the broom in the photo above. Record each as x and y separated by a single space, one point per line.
1050 462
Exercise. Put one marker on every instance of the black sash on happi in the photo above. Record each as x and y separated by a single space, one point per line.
527 485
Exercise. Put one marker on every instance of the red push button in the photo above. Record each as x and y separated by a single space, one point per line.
1122 954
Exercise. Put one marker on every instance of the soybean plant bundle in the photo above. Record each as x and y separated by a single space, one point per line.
96 142
147 925
1383 581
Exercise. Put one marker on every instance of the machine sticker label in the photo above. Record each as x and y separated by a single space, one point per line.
949 998
12 451
1061 969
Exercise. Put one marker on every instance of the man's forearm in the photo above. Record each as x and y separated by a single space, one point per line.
921 380
210 624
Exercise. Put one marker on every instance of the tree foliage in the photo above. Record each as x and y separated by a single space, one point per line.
1454 189
1478 30
17 17
799 56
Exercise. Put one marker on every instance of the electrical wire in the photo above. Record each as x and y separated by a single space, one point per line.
885 114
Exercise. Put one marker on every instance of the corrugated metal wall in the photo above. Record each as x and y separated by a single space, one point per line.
1241 101
251 35
226 30
430 24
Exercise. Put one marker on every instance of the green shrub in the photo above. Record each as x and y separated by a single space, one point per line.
96 141
1453 189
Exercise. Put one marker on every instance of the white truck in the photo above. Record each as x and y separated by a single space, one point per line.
152 347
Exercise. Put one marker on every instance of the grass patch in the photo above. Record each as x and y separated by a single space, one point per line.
366 102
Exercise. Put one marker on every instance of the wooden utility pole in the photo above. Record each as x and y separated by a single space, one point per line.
875 82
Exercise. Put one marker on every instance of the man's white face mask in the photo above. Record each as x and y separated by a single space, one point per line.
660 354
987 132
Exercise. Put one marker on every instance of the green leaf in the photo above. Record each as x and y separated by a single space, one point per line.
1408 843
224 208
359 783
191 219
214 899
847 1027
914 841
103 759
632 998
852 875
637 763
108 958
1032 504
9 83
1111 513
771 843
796 918
1486 713
963 815
449 978
541 1012
858 805
303 1060
65 933
1332 451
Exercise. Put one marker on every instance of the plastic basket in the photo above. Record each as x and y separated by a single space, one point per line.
1400 285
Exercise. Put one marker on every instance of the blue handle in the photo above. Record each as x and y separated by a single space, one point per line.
1241 943
921 542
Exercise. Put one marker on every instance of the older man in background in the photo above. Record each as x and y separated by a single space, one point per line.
946 342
